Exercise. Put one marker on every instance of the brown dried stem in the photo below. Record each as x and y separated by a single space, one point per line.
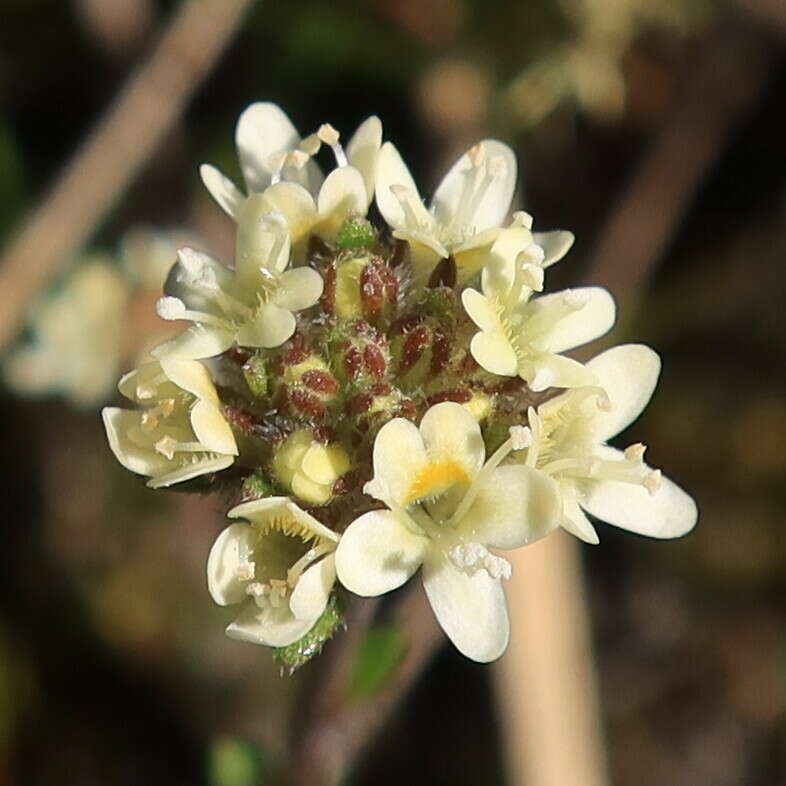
150 103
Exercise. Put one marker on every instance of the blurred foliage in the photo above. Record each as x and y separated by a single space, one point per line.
381 651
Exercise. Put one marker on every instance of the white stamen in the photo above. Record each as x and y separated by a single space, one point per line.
520 437
330 136
245 570
297 159
275 163
523 219
311 144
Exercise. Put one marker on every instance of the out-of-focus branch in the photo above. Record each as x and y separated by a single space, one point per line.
113 153
547 687
724 87
338 729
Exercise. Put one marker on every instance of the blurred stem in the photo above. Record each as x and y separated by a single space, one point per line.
336 729
546 679
113 153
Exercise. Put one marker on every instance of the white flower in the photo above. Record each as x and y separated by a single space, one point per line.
281 564
466 211
524 337
78 336
148 255
446 509
569 435
251 306
179 432
280 175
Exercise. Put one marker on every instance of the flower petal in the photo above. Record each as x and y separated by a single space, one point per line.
195 343
190 470
221 188
480 310
233 549
491 209
392 172
452 434
470 609
298 289
555 244
517 505
140 459
342 194
271 327
493 352
191 375
260 510
271 627
629 374
587 323
399 454
363 151
555 371
668 513
377 553
212 430
262 130
295 203
311 593
574 520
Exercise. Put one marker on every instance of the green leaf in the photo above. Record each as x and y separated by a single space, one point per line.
300 652
378 655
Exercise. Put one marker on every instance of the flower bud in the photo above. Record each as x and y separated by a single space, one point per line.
308 468
305 384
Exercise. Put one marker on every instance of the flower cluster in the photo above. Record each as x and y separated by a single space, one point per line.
386 399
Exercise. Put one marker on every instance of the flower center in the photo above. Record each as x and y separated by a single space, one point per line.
435 479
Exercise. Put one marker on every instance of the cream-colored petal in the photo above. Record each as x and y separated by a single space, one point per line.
587 323
377 553
517 505
342 194
271 627
399 454
668 513
263 130
271 327
221 188
295 203
392 172
451 434
480 310
308 491
575 521
555 371
140 459
363 151
298 288
491 209
555 244
499 273
493 352
628 374
261 510
312 591
190 470
470 609
211 429
191 375
232 553
196 343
